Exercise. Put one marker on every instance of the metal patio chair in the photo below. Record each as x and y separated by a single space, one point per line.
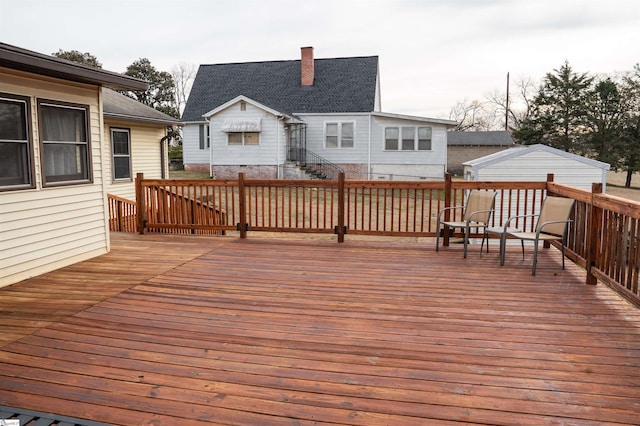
476 214
552 224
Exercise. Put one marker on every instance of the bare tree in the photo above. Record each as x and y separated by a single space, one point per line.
493 113
183 76
472 116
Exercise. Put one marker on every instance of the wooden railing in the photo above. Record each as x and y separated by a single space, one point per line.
604 237
184 207
122 214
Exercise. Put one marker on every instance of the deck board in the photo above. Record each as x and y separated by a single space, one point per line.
218 330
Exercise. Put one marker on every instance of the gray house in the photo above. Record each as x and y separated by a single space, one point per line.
466 146
266 118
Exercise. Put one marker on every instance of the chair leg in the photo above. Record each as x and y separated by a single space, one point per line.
466 240
562 245
503 247
535 257
522 244
485 236
438 236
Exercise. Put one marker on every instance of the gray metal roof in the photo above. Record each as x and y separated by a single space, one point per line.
119 106
491 138
507 154
340 85
26 60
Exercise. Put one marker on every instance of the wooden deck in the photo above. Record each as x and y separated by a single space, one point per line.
179 330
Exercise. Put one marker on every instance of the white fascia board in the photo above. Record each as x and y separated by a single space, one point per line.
247 100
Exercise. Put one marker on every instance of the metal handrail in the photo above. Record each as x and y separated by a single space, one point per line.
316 164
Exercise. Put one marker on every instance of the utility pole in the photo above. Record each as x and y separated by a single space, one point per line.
506 112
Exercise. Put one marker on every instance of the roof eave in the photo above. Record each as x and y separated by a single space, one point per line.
125 117
33 62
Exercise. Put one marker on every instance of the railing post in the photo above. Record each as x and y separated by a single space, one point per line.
119 215
593 228
243 206
193 215
447 203
140 204
341 203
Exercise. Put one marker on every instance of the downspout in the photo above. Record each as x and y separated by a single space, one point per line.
278 118
208 136
369 148
163 174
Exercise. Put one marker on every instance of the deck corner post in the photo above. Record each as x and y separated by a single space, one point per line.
448 188
593 237
243 205
140 204
341 205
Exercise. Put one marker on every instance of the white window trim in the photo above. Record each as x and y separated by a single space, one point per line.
415 139
113 155
339 123
243 139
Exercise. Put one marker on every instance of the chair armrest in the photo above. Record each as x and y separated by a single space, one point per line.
469 219
447 208
551 222
512 218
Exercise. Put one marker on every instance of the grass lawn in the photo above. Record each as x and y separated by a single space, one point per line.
183 174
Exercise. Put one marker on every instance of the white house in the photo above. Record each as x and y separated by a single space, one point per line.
54 166
261 117
533 163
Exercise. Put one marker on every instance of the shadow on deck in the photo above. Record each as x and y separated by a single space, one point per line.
182 330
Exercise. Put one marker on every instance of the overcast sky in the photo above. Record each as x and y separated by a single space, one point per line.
432 53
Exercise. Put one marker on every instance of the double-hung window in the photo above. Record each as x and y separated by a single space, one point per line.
15 143
65 142
339 135
121 153
407 138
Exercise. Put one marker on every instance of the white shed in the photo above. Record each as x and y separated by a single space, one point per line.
533 163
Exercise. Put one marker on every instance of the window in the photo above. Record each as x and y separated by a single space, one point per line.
339 135
65 142
424 138
15 143
121 153
391 138
243 138
408 138
204 136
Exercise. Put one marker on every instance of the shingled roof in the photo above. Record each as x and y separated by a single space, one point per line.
340 85
489 138
118 106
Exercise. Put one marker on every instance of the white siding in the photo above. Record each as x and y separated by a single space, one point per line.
191 152
316 138
437 156
44 229
265 153
370 130
535 166
271 150
145 155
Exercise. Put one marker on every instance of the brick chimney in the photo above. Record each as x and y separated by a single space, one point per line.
306 66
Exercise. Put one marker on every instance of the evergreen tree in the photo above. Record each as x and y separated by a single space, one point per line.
606 110
558 115
79 57
161 92
629 150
